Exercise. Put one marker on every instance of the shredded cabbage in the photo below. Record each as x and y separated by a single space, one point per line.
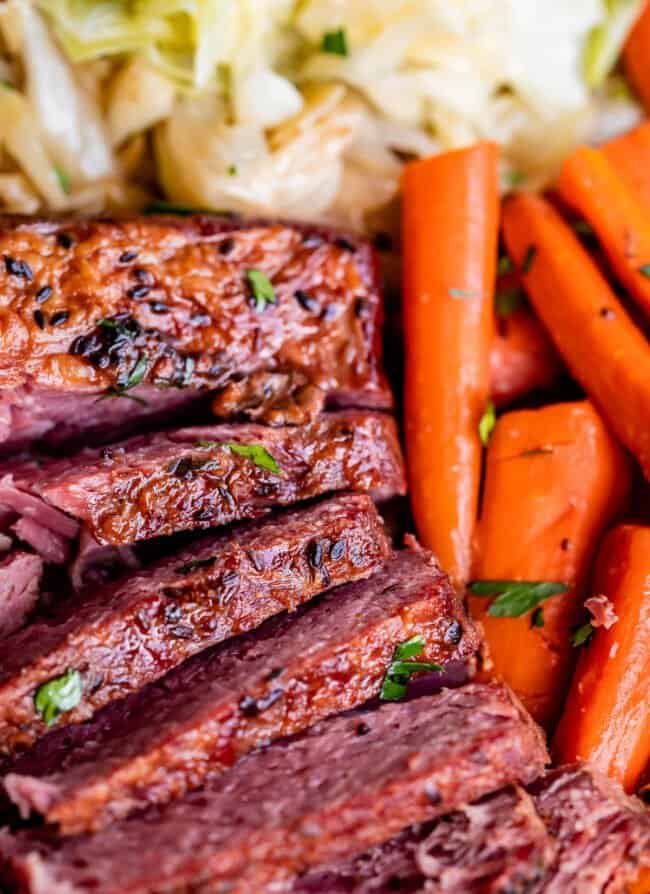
303 108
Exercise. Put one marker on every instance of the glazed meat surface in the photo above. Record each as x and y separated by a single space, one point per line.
199 719
132 632
363 778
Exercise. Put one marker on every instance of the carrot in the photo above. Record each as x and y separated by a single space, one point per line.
642 884
636 54
554 479
450 228
522 358
629 155
600 344
606 719
589 183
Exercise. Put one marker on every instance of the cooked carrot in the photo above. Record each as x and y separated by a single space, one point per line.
554 479
606 719
629 154
642 884
450 228
600 344
522 358
590 184
636 56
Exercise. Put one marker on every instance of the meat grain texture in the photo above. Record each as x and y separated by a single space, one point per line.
363 778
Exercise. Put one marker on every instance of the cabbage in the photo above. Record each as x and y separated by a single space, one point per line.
139 97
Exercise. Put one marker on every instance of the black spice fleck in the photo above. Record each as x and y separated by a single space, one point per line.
454 633
127 256
359 307
138 292
362 729
64 240
315 552
306 301
251 707
200 319
39 319
158 307
312 240
18 268
344 244
43 294
607 313
383 242
226 246
143 276
59 318
338 550
182 631
566 544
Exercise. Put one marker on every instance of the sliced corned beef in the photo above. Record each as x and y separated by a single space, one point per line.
104 307
198 478
347 784
130 633
20 579
274 682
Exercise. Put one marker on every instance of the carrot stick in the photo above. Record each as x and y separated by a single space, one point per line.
450 227
606 719
601 346
554 479
589 183
629 155
642 884
636 55
522 358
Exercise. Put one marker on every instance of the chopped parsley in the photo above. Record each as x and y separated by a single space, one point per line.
261 289
486 424
58 696
515 178
515 597
529 257
257 454
335 42
644 270
537 617
504 266
64 179
134 378
582 635
507 301
401 669
232 170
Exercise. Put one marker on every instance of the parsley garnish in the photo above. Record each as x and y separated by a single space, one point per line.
135 377
537 617
486 424
504 266
194 565
232 170
401 669
644 270
529 257
261 288
58 696
257 454
516 597
64 179
335 42
582 635
507 301
206 444
515 178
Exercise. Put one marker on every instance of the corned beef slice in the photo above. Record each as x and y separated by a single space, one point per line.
574 832
111 307
198 478
20 578
274 682
135 630
347 784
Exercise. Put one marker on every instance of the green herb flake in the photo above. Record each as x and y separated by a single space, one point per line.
64 179
529 257
261 289
515 597
582 635
582 228
195 565
644 270
135 378
257 454
206 444
504 265
537 617
487 422
232 170
507 301
515 178
58 696
335 42
401 669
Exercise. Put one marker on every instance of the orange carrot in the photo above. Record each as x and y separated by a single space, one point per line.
554 479
589 183
522 359
636 56
600 344
606 720
450 228
642 884
629 155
